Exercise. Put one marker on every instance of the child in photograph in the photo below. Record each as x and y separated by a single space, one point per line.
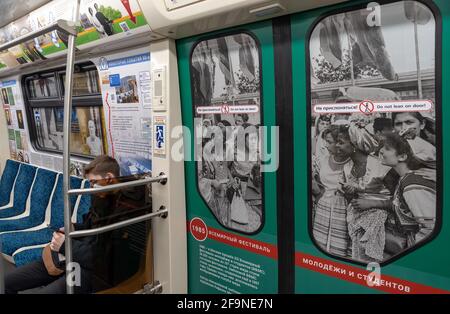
381 128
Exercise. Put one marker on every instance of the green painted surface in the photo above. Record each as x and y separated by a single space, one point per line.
196 207
428 265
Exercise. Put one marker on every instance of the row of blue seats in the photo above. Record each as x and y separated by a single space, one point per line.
31 200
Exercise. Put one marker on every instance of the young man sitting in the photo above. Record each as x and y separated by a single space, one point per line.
103 170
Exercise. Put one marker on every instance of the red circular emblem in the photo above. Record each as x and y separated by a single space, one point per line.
198 229
225 109
366 107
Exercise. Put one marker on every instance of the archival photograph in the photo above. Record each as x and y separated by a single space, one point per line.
374 182
86 130
225 74
127 92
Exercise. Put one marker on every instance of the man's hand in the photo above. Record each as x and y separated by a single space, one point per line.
57 241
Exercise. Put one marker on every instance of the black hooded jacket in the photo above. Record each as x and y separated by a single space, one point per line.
94 252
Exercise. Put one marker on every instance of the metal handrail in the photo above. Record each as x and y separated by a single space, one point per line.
60 25
66 147
68 28
99 189
118 225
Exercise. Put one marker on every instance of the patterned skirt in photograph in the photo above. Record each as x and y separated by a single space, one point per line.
330 224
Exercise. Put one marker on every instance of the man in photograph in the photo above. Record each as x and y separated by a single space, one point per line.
5 96
20 119
8 116
103 20
93 141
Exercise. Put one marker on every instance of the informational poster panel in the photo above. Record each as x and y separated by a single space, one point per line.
126 92
18 134
12 102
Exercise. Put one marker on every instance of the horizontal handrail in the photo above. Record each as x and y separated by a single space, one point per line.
162 178
117 225
60 25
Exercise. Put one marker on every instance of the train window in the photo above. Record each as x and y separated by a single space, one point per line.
42 87
84 83
374 132
86 129
46 114
225 76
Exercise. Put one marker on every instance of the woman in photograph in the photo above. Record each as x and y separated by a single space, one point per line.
215 176
412 208
362 180
329 221
319 146
414 200
245 160
419 130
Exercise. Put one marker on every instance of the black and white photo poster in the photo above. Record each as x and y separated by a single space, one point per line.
374 132
225 79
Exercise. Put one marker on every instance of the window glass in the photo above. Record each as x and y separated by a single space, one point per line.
42 87
374 132
86 129
225 77
84 83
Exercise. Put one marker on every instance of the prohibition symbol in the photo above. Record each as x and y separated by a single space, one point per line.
225 109
366 107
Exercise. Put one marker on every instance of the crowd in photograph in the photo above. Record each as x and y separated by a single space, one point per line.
373 183
230 172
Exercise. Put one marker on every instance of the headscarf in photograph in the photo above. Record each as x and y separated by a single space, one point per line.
362 139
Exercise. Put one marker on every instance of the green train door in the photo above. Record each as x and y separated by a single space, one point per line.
368 148
227 84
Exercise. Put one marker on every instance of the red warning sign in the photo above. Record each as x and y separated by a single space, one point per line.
366 107
225 109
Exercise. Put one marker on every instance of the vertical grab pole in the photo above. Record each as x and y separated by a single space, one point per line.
66 155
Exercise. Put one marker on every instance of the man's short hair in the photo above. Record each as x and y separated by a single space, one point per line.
102 165
379 124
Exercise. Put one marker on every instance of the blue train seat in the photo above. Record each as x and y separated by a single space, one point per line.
7 181
54 216
28 254
26 246
21 192
36 205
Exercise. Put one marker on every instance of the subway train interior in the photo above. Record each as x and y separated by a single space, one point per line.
224 147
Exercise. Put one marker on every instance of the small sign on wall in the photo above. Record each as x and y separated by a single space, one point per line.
159 136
